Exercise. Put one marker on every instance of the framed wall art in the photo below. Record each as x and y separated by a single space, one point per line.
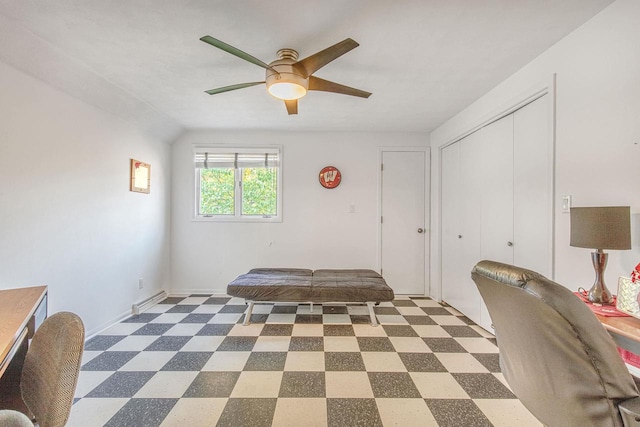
140 176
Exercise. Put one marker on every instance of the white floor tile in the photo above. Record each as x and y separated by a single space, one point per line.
227 361
257 384
169 318
148 361
134 343
184 329
203 343
477 345
169 384
405 412
88 380
438 385
460 362
348 385
291 412
94 412
507 413
305 361
272 343
195 412
409 345
383 361
339 344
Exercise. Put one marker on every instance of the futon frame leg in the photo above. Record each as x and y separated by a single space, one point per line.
247 315
372 314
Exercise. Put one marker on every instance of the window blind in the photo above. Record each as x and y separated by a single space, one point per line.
257 159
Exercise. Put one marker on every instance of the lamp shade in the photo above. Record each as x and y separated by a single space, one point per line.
606 227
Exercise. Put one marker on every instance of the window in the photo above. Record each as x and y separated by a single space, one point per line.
242 184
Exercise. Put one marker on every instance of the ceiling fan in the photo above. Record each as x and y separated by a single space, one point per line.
289 79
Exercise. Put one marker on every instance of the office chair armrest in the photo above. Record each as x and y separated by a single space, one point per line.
630 412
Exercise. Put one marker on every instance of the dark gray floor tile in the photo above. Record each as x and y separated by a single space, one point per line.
414 298
493 341
201 295
141 318
360 319
154 329
217 329
102 342
233 309
302 384
308 318
400 330
420 320
121 384
338 331
444 345
254 412
277 330
343 361
466 320
375 344
187 361
386 311
266 361
212 384
491 361
255 318
482 386
284 309
334 309
422 362
168 343
185 308
172 300
457 412
109 361
403 303
197 318
217 301
393 385
436 311
306 344
237 344
460 331
353 413
142 412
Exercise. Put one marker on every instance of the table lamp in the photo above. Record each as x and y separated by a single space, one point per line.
599 228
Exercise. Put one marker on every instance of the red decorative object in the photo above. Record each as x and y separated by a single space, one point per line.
330 177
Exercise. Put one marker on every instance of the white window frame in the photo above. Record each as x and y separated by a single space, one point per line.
237 217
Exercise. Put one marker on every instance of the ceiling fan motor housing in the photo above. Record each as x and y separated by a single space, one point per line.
287 83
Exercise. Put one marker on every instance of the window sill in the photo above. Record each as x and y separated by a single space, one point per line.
236 219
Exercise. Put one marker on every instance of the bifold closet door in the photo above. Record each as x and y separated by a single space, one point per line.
461 225
496 175
533 185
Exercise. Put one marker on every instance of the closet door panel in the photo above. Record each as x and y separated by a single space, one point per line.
451 207
470 171
532 176
496 232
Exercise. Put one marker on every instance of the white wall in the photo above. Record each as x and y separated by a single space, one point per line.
67 218
317 231
597 133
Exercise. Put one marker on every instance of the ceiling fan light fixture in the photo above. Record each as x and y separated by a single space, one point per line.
287 90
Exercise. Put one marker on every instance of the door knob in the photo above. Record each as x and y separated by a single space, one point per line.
420 230
509 243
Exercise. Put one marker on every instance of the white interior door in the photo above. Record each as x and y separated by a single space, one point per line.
403 220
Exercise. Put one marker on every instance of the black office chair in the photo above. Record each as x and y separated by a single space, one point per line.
554 353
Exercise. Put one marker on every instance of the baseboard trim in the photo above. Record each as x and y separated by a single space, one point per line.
141 306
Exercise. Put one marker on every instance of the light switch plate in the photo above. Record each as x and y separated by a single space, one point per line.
566 204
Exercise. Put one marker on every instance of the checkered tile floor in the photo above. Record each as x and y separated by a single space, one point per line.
190 362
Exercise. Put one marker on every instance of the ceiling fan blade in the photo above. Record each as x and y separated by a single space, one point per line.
292 106
235 51
313 63
232 87
316 83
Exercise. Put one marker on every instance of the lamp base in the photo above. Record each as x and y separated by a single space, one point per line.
599 294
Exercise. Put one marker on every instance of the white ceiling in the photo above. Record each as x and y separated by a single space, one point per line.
424 60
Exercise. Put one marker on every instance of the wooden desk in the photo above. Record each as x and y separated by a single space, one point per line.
21 312
624 330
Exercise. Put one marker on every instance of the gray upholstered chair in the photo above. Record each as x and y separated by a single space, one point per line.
50 372
554 353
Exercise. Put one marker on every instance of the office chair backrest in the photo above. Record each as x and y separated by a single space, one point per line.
51 369
554 353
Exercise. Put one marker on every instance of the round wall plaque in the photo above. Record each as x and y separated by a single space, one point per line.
330 177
